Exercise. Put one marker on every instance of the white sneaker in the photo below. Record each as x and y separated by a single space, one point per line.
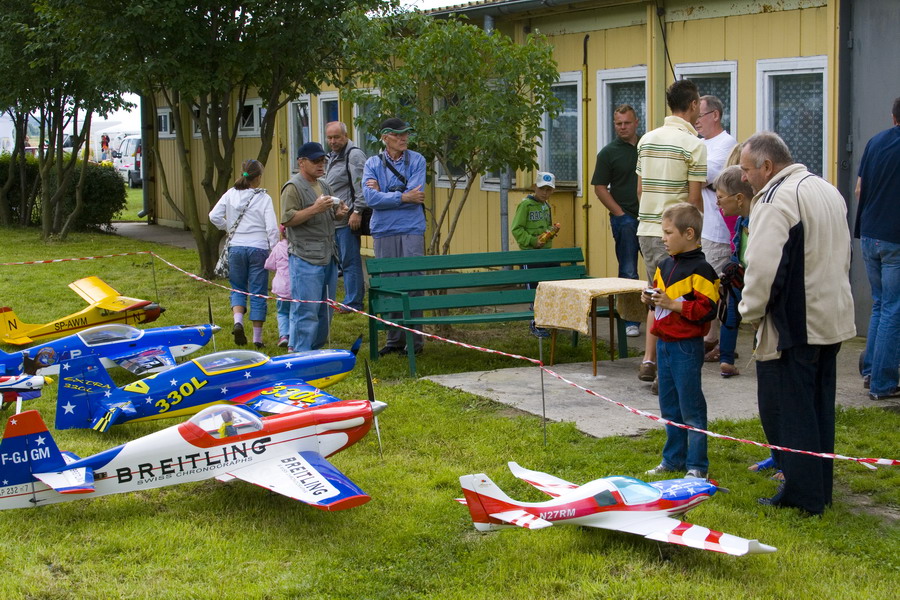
632 331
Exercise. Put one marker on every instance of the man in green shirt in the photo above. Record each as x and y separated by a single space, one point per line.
615 183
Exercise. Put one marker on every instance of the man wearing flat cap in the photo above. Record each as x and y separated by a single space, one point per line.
394 184
308 214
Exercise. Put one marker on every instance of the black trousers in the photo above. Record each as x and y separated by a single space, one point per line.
796 406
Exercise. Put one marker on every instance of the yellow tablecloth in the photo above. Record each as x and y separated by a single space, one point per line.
567 304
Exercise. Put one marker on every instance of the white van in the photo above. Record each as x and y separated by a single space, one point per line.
127 160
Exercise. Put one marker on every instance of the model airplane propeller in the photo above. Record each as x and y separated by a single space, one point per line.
285 453
88 398
615 503
106 306
140 351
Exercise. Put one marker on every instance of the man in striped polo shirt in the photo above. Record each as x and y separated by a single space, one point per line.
671 168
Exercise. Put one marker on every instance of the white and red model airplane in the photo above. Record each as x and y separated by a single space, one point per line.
616 503
285 453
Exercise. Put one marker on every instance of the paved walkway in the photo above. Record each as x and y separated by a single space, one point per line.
520 387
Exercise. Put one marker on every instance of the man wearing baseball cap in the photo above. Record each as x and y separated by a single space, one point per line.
394 184
308 214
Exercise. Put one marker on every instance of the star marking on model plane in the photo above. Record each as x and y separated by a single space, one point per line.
287 365
149 400
13 422
224 390
247 375
173 381
40 440
65 366
5 482
69 408
107 393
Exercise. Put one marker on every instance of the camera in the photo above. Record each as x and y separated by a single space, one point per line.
397 188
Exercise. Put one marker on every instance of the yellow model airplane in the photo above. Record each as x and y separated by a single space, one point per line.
106 306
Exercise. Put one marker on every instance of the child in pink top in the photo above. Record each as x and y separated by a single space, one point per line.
281 286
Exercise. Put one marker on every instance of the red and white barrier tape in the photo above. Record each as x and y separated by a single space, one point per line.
868 462
57 260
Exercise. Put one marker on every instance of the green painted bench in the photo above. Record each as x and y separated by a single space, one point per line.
489 285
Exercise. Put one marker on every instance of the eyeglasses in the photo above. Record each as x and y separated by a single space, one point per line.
701 115
727 197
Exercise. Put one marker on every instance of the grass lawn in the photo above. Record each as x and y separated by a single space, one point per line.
235 540
135 203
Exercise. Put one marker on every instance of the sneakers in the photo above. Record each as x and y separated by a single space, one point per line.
283 341
867 381
654 387
632 331
390 350
259 344
894 393
238 332
695 474
660 469
538 332
647 372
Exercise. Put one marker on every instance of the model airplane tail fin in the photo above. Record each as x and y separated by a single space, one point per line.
83 385
28 448
12 329
484 498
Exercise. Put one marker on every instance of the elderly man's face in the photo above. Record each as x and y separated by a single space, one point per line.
335 137
706 124
311 169
396 143
757 177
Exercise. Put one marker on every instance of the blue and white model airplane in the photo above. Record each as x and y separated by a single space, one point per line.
140 351
88 398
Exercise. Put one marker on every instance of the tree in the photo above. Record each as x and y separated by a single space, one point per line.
476 99
204 59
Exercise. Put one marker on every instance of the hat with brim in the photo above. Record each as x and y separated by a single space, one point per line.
311 151
545 179
395 125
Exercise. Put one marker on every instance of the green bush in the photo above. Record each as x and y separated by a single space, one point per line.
104 194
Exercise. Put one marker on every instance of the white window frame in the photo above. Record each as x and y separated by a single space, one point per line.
605 77
258 113
568 78
721 67
321 100
169 130
358 133
492 184
292 125
195 121
800 65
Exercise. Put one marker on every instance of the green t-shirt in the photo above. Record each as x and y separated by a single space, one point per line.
615 167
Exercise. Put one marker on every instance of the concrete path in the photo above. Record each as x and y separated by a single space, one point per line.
155 233
733 398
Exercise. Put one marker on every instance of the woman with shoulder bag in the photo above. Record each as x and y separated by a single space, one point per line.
246 213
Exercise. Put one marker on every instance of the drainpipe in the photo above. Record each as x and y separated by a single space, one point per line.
586 196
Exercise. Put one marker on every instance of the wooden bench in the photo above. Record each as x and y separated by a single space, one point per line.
488 286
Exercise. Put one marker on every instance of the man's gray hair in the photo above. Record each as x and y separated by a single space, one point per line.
713 103
341 123
768 145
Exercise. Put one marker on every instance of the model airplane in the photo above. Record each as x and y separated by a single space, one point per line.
106 306
140 351
21 387
284 453
616 503
88 398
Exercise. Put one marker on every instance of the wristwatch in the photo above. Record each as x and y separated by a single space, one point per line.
356 211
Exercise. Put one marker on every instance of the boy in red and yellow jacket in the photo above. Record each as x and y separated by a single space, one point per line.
683 298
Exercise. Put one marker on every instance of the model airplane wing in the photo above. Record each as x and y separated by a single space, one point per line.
550 485
95 291
145 360
673 531
522 518
288 395
72 481
306 477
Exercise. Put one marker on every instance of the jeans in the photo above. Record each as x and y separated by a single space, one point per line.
728 333
624 230
309 320
351 264
247 273
681 400
882 260
284 317
796 407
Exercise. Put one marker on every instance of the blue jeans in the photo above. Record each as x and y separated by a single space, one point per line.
310 321
796 408
351 265
247 273
882 260
728 333
681 400
624 230
284 317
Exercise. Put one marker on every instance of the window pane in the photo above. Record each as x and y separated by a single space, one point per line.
300 124
365 139
720 87
329 111
631 93
248 117
797 116
562 136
